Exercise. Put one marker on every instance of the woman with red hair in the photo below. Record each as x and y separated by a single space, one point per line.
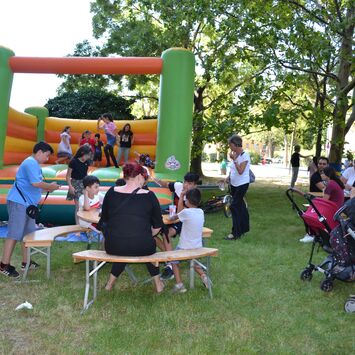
131 217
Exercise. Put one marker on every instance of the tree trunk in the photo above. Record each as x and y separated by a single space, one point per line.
197 133
341 106
286 150
321 102
293 138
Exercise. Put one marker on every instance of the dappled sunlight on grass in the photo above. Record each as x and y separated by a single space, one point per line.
260 304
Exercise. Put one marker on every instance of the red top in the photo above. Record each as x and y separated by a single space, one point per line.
90 141
335 192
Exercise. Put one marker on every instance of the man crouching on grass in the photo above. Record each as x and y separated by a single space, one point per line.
26 191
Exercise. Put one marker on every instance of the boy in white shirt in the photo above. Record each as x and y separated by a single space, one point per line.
90 198
192 219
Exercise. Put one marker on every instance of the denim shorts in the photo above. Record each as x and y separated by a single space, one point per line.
19 223
177 226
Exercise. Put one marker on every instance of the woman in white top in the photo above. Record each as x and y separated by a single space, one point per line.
64 149
348 177
239 180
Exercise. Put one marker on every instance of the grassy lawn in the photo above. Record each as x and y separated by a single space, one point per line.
260 304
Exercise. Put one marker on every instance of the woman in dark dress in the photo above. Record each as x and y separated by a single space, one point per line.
131 217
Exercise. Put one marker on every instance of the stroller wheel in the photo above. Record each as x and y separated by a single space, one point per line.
326 285
306 275
349 305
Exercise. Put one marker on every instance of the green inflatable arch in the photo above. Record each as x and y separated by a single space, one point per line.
175 97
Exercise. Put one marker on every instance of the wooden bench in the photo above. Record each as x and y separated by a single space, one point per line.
100 258
41 242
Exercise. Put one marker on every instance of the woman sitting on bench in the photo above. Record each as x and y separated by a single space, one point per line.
131 217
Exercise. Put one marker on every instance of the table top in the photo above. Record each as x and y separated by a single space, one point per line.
92 216
317 194
167 220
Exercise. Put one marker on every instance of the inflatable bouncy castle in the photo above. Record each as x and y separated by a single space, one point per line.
167 139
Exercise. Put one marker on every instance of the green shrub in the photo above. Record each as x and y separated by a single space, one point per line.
255 157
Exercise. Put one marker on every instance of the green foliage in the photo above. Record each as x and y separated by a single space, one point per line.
89 104
254 157
260 63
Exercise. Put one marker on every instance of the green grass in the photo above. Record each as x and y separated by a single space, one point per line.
260 305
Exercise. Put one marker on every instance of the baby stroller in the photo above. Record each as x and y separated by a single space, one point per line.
331 232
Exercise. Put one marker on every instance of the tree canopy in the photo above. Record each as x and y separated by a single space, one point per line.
260 64
89 104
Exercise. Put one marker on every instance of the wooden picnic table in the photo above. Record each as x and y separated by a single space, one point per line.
92 216
317 194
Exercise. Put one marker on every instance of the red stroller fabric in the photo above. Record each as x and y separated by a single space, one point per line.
327 209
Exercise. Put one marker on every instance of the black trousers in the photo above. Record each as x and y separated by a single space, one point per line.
240 214
117 269
108 150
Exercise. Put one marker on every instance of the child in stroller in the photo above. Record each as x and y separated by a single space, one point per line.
334 232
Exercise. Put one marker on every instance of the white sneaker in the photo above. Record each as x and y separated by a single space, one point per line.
179 288
307 239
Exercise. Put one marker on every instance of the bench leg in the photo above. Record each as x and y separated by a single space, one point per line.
192 273
95 280
87 284
48 262
88 275
131 274
27 264
46 251
208 267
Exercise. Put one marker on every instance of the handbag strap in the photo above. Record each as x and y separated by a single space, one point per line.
20 192
127 199
23 197
40 207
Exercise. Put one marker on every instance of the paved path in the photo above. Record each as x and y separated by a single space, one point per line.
276 173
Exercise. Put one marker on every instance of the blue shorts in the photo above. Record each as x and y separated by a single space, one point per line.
19 223
177 226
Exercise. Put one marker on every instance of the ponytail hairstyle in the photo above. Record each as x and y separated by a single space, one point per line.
83 150
66 129
131 170
332 174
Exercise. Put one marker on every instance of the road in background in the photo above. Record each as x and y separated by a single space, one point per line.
277 173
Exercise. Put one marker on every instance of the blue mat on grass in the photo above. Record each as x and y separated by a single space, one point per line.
72 238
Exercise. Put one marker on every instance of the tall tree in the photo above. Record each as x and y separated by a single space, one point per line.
313 37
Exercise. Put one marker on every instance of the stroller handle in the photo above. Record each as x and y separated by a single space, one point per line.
339 212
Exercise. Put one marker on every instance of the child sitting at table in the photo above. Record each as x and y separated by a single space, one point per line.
190 182
192 219
90 199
